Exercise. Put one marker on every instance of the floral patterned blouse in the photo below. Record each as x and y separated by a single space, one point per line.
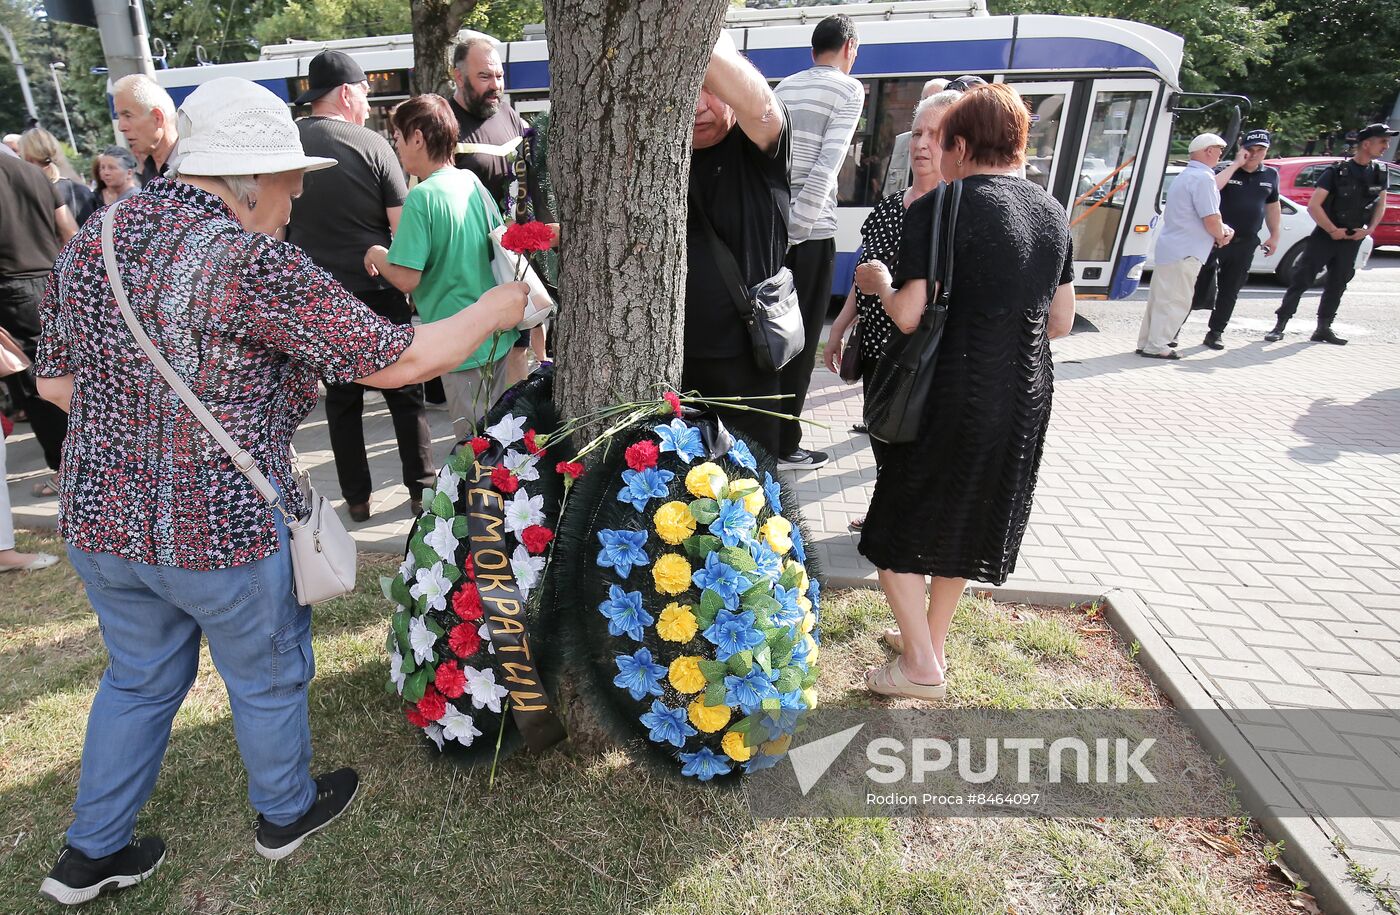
249 322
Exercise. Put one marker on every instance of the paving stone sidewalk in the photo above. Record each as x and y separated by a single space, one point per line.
1249 497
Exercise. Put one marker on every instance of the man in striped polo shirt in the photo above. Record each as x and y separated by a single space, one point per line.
824 104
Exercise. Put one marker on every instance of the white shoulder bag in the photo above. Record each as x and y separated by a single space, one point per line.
323 552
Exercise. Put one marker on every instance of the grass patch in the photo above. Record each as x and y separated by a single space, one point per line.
584 828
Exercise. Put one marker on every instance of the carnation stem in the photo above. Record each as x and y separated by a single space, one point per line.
500 735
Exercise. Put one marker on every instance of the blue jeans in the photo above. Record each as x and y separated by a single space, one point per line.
151 619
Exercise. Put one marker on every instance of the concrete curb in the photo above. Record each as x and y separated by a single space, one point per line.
1306 847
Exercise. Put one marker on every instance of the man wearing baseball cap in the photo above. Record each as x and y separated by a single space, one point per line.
1191 228
1248 201
1347 206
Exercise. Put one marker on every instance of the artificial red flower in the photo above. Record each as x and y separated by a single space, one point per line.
449 680
521 237
466 603
479 445
530 445
642 455
464 641
432 705
536 537
674 400
504 480
468 565
415 717
571 469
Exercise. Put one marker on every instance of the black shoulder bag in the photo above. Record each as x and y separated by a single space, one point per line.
899 390
770 311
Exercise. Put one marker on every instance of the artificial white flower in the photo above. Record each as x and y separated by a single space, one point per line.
522 511
509 430
447 483
431 584
481 685
408 567
485 632
396 673
522 465
458 726
434 732
440 539
422 640
527 570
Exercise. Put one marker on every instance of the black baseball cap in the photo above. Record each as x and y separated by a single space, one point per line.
327 72
1256 138
1375 130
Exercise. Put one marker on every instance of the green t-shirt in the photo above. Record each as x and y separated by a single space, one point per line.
444 232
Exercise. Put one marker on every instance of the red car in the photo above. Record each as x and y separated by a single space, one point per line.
1298 177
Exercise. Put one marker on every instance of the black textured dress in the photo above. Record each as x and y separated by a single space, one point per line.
955 502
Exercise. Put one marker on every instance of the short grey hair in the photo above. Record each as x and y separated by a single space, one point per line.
935 102
147 93
244 188
464 49
937 84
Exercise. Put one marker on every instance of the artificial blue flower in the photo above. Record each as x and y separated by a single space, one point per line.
705 764
622 550
749 691
740 454
760 761
732 632
638 674
682 438
800 652
668 725
734 524
789 613
779 722
792 700
642 486
799 549
770 564
774 491
625 613
814 591
721 578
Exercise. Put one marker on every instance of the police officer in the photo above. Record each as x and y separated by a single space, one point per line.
1347 206
1248 201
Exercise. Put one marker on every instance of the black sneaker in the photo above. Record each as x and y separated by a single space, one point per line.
334 792
1276 334
76 878
1212 340
1325 335
802 459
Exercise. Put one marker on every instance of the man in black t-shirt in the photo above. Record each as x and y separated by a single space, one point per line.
1347 205
739 180
1248 202
342 212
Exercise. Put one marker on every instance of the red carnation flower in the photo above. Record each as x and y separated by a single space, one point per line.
415 717
530 445
432 705
479 445
464 641
674 400
468 565
536 537
504 480
571 469
642 455
522 237
466 603
449 680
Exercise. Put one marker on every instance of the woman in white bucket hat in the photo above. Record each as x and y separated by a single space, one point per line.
170 539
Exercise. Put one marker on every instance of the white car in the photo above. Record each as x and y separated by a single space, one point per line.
1295 225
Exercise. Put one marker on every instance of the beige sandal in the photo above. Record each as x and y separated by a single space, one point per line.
890 680
895 640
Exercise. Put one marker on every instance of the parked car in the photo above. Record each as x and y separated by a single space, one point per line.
1295 225
1298 179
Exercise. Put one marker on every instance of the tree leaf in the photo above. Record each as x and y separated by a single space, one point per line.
702 545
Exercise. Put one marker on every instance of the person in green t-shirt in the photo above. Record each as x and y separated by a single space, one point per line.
442 249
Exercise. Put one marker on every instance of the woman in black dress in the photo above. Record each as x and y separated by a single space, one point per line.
954 504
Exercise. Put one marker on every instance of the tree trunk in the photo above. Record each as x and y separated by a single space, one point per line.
435 25
624 75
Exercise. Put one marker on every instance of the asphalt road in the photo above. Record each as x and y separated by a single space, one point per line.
1370 311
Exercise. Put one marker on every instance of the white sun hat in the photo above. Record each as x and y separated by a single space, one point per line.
232 126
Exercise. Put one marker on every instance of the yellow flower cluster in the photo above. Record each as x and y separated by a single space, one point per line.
708 718
777 530
685 674
705 480
733 745
671 574
674 522
677 623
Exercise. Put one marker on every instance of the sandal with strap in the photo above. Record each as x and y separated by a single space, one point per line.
46 488
890 680
895 640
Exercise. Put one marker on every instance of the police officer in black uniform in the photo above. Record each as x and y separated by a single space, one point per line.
1347 206
1248 202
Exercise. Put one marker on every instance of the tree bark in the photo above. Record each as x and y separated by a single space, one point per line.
435 25
624 76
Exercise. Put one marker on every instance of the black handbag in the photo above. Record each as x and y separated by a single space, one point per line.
850 354
769 311
899 390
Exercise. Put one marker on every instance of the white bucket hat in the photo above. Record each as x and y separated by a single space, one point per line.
231 126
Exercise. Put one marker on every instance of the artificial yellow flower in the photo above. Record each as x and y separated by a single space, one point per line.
812 649
677 623
708 718
754 502
671 574
777 747
809 620
705 480
809 696
674 522
733 744
777 530
686 676
804 604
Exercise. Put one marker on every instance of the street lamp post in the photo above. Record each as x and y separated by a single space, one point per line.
19 72
54 67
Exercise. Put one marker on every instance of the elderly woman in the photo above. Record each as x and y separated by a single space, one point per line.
953 504
41 148
880 234
115 171
170 539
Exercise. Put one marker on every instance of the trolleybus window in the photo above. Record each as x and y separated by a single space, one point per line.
1106 172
